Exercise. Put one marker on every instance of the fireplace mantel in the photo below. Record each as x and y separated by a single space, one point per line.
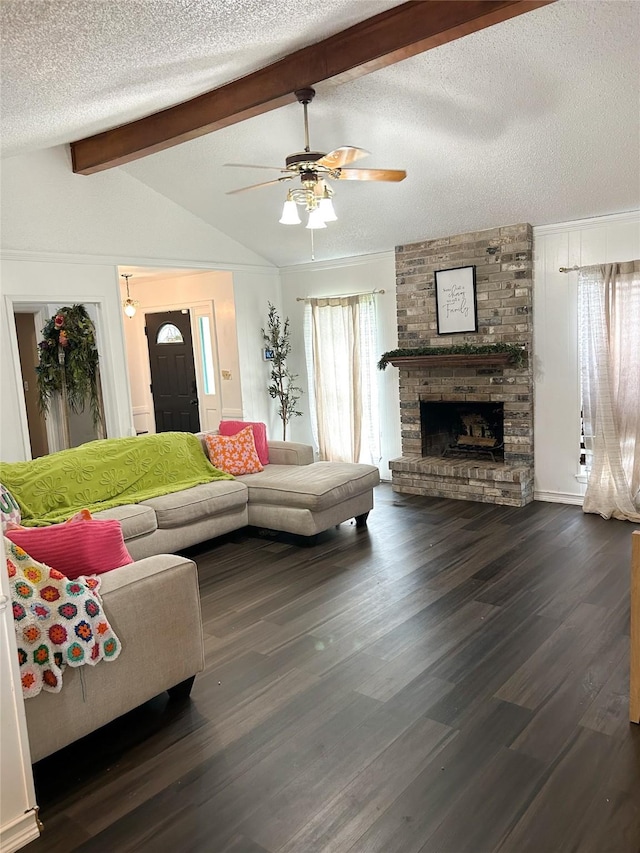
414 362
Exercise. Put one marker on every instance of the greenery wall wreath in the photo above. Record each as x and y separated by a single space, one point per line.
69 362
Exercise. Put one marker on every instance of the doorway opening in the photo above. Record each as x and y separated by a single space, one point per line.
61 427
28 354
182 334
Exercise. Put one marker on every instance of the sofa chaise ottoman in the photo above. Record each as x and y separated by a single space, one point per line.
296 495
308 499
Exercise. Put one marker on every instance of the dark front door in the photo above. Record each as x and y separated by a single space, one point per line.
173 372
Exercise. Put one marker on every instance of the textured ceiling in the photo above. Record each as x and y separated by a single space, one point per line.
536 119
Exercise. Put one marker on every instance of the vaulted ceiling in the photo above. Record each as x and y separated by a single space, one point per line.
533 119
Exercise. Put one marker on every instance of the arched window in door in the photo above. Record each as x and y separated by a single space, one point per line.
169 334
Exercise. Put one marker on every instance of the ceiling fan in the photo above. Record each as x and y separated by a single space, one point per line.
315 168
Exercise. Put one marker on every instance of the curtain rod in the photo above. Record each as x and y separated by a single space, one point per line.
569 269
340 295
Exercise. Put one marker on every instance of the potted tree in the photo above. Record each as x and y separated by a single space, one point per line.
282 386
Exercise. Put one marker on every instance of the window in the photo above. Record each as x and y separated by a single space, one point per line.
169 334
206 355
341 347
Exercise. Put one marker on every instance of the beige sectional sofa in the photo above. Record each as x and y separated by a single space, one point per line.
154 605
293 494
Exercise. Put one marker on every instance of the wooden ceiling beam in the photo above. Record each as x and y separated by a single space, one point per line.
375 43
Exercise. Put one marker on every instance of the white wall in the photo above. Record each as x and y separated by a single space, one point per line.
605 239
63 237
47 208
253 292
350 275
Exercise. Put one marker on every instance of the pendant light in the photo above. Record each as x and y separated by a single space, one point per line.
130 305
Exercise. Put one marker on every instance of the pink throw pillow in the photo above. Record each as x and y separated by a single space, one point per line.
81 546
235 454
259 435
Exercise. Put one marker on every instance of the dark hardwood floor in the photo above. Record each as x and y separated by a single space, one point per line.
453 679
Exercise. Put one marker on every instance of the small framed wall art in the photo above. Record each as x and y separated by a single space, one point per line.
456 306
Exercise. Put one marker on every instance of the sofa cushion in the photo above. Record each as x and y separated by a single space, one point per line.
315 487
136 520
198 503
259 435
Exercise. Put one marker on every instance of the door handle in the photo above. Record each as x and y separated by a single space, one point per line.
193 402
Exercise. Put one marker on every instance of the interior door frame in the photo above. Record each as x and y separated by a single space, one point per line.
42 308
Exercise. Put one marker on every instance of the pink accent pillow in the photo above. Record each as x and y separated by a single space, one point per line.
259 435
81 546
235 454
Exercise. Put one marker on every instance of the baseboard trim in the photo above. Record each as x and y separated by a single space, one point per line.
19 832
559 498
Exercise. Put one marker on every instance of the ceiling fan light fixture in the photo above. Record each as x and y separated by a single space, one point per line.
315 219
290 212
315 169
326 209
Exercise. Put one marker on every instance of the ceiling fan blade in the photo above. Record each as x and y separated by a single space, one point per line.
372 175
342 157
253 166
256 186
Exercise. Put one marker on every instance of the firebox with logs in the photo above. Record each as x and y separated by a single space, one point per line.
472 429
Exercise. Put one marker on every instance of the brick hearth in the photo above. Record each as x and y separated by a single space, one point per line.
503 260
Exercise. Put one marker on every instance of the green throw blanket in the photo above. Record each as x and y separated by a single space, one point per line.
106 473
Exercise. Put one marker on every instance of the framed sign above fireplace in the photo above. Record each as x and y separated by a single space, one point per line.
456 306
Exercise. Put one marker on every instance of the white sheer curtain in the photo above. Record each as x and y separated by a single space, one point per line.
340 343
609 318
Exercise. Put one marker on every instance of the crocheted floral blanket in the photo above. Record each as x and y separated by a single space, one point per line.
59 622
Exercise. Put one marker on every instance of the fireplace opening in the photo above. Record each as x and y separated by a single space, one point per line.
451 428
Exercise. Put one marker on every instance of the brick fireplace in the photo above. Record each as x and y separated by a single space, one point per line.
486 397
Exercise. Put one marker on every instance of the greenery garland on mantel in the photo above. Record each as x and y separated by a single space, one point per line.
516 352
68 362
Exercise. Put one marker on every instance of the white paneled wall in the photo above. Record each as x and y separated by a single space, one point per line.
602 240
